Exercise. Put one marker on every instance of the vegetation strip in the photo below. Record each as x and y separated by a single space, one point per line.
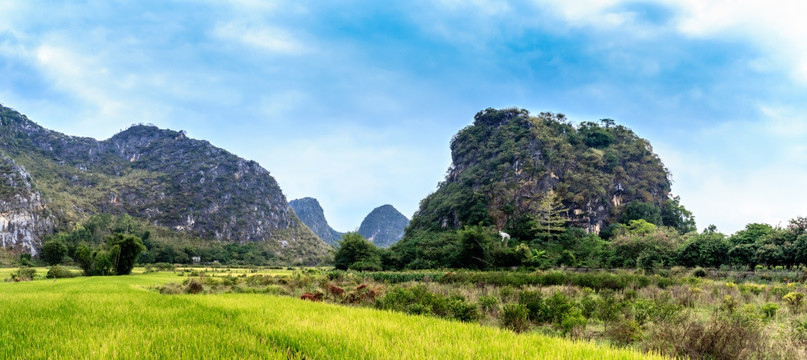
112 317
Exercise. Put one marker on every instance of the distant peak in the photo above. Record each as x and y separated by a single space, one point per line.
149 131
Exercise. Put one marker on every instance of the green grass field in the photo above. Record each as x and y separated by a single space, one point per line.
121 318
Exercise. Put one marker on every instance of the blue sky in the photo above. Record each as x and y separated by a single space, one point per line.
354 102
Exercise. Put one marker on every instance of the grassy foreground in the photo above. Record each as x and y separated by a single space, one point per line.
119 318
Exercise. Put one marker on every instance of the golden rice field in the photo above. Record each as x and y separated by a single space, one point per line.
121 318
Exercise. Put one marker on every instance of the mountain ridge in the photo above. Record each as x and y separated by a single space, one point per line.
160 176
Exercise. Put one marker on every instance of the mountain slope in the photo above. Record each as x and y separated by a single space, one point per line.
384 226
311 214
507 162
160 176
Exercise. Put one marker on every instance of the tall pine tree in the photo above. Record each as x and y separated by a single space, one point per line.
549 219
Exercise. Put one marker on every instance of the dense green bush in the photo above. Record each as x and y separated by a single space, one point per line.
24 273
58 272
419 300
53 251
356 253
515 317
533 301
593 280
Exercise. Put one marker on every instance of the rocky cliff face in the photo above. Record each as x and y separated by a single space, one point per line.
158 175
384 226
24 218
311 214
507 161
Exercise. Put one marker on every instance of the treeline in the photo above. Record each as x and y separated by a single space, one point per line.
92 246
635 244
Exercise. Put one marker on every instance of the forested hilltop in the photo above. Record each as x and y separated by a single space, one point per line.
534 182
508 165
158 177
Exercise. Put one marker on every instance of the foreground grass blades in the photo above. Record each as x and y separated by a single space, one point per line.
116 317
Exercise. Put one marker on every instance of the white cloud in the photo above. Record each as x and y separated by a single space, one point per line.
741 172
264 37
481 7
776 29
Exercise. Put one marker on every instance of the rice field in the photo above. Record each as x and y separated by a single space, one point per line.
121 318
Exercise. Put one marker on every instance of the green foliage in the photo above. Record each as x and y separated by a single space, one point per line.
572 321
674 215
769 310
645 248
126 248
609 309
476 247
53 252
515 317
549 222
708 249
24 273
794 301
640 210
533 301
419 300
58 272
355 252
625 332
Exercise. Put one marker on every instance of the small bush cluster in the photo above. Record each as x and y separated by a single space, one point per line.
59 272
23 274
419 300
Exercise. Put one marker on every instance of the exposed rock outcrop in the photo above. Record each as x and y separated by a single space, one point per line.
24 218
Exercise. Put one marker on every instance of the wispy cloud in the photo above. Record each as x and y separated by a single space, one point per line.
266 38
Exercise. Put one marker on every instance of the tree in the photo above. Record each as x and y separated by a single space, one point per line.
357 253
476 247
644 246
85 259
124 250
636 210
549 221
708 249
53 251
676 216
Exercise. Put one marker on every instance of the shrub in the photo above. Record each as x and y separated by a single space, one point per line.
572 322
463 311
588 306
194 287
794 300
556 306
699 272
170 289
515 317
609 310
625 332
23 274
721 337
729 304
419 300
534 303
162 266
489 304
769 310
58 272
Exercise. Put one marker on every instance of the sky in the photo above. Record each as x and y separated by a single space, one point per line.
354 102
